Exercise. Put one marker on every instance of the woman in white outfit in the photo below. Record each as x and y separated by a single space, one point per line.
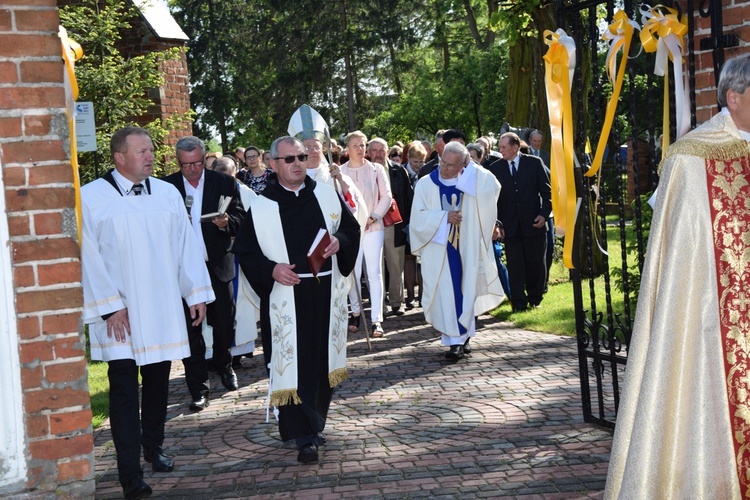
370 179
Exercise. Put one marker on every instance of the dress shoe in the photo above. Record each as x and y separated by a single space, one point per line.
136 488
237 362
199 404
229 379
397 311
353 323
467 347
409 304
308 454
158 460
455 353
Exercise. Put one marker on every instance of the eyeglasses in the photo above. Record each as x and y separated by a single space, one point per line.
192 164
395 155
291 158
312 149
251 157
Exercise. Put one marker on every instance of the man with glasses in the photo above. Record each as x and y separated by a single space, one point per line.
203 191
452 220
394 239
303 313
139 263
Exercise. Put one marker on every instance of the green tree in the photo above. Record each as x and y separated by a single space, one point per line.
118 86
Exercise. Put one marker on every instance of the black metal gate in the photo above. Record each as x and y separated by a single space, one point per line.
614 216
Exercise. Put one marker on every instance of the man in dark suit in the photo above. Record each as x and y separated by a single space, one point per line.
523 208
203 190
394 243
449 135
535 144
431 165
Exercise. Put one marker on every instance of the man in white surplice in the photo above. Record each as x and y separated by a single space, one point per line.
452 219
139 261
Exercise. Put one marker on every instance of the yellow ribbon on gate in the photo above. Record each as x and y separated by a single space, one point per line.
560 62
620 35
663 32
71 52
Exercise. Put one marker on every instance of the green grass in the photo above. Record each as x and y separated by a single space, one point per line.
557 314
99 389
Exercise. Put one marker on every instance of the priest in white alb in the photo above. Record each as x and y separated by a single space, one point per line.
683 424
452 219
139 261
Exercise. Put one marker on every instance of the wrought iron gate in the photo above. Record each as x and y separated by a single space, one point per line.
614 219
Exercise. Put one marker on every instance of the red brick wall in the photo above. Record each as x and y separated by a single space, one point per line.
39 195
173 97
735 13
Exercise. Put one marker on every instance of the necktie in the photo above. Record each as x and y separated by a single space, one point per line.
513 170
137 189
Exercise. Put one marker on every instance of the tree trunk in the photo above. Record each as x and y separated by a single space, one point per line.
521 79
348 69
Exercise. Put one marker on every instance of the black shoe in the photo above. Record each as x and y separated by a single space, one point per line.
237 362
353 323
136 488
199 404
229 379
455 353
467 347
158 460
409 304
308 454
398 311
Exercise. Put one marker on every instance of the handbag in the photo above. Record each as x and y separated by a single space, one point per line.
393 215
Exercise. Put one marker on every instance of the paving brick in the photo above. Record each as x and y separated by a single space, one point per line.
408 424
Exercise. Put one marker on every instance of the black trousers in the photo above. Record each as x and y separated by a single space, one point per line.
220 315
527 268
131 431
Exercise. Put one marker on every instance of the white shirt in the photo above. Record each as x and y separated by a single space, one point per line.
516 160
126 185
195 211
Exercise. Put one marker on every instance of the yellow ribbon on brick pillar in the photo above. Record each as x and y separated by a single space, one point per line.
620 35
664 33
560 62
71 52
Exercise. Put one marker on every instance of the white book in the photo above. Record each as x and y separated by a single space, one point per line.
224 202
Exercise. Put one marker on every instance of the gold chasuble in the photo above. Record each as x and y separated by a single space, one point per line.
683 426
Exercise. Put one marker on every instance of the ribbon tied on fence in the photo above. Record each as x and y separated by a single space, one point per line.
560 62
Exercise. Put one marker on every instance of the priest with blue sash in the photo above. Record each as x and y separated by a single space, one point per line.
452 219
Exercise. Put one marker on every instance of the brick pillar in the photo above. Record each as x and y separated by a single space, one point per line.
735 15
39 197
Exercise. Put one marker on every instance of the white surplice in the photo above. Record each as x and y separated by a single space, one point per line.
428 234
139 252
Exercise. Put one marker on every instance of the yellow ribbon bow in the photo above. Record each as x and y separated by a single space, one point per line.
560 62
71 52
663 32
620 35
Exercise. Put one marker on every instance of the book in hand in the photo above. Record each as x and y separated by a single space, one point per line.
315 254
224 202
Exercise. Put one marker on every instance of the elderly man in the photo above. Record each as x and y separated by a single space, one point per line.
535 145
394 240
303 314
139 262
523 208
203 191
682 426
452 221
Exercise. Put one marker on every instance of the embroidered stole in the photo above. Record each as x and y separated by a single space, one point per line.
283 375
728 179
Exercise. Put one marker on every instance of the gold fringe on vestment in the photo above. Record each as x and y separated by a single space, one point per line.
285 397
337 376
724 151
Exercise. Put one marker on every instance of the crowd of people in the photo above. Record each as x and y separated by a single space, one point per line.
191 266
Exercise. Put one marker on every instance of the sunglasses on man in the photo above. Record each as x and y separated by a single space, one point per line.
290 158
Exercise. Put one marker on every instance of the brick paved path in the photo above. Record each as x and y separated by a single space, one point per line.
505 422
